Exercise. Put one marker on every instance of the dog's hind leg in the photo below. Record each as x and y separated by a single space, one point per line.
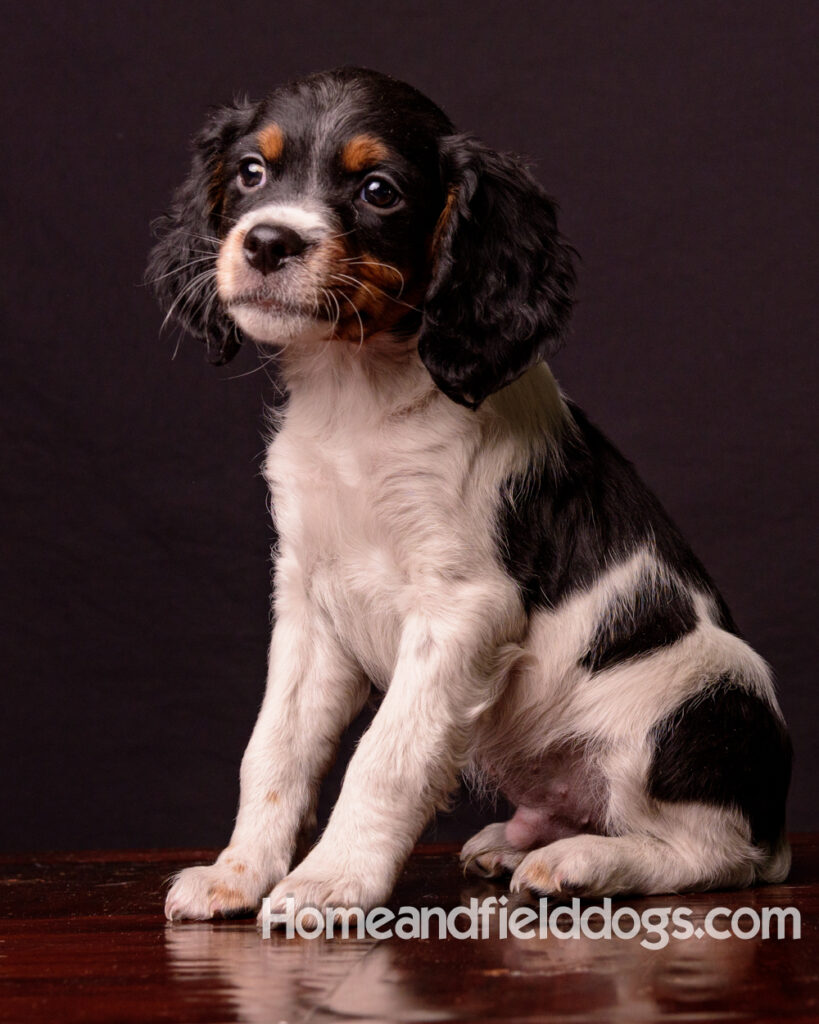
690 847
563 795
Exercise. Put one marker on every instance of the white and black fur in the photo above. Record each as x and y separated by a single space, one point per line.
453 532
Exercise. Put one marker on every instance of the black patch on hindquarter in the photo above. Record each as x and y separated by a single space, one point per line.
726 747
657 613
560 526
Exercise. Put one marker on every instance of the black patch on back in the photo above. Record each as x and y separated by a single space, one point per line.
560 527
657 613
726 747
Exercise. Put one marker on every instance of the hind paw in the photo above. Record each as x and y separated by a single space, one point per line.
489 854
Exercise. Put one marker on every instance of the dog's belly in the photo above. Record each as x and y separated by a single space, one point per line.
560 795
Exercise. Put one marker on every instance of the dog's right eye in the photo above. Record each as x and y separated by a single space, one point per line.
252 172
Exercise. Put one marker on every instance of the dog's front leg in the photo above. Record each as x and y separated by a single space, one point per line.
450 668
313 692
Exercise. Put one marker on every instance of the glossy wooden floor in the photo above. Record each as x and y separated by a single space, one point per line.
82 938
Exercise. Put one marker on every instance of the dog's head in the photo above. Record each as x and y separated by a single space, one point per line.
346 207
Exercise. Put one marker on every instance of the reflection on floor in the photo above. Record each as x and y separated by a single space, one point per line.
83 938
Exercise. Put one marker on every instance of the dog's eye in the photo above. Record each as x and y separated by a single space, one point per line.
380 193
252 172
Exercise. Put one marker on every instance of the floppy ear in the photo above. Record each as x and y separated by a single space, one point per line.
502 283
182 264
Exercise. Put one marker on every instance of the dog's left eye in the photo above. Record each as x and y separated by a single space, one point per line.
252 172
379 192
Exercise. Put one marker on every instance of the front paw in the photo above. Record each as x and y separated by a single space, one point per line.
224 889
317 887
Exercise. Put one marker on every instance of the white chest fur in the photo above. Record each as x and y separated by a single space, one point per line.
384 497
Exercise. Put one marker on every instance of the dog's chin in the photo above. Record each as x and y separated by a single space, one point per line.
268 324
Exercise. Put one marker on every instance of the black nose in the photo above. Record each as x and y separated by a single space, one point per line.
267 246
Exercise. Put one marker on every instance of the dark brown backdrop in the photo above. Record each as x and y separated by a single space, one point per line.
679 139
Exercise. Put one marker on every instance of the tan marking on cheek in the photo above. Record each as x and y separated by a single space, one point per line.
361 152
387 276
362 281
272 797
240 868
271 142
381 294
228 262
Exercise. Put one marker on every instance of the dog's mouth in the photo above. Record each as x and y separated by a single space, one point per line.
342 306
264 302
327 308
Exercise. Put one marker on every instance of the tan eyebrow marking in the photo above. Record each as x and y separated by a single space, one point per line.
271 142
361 152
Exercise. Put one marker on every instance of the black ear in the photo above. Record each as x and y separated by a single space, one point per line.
182 264
501 290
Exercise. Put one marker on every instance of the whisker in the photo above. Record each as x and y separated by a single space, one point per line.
205 238
392 298
188 294
360 321
263 361
325 305
329 295
276 387
357 283
374 263
178 270
213 299
343 234
191 292
179 336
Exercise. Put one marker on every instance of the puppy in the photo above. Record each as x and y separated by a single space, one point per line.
452 531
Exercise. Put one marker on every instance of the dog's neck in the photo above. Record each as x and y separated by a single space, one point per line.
377 378
334 385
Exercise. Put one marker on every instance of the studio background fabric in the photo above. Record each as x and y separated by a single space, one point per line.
680 142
